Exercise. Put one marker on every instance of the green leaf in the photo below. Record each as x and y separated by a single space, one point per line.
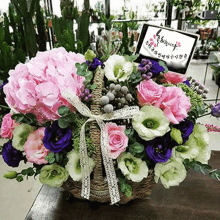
63 110
129 132
133 76
57 157
63 123
89 76
136 148
215 174
77 65
19 178
94 86
52 160
84 66
18 117
30 171
24 172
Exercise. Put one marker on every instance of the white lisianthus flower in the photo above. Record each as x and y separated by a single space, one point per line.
202 138
20 135
150 123
117 68
73 165
196 147
133 168
189 150
171 173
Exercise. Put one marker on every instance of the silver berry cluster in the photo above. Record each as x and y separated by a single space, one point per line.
198 87
115 97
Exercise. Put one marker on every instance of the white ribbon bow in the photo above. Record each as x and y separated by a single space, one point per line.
124 113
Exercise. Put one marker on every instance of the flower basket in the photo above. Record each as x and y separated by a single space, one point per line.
106 132
99 186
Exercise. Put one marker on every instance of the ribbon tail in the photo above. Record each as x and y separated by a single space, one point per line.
84 163
108 164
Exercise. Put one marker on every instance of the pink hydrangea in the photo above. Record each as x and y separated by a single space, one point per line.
8 126
174 78
174 103
34 147
118 141
148 92
35 87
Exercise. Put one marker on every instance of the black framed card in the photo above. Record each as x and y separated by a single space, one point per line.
174 47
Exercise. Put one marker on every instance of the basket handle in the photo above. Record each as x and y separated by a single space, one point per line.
95 132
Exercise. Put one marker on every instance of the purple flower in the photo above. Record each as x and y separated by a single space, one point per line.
57 139
4 83
94 64
154 68
187 82
11 156
159 149
215 110
186 128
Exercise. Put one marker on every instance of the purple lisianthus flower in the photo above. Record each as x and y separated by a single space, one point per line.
159 149
94 64
156 68
215 110
187 82
186 128
57 139
10 155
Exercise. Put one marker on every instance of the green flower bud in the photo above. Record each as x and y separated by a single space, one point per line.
10 175
89 55
176 135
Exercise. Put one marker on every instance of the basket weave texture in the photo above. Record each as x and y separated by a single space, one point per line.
99 191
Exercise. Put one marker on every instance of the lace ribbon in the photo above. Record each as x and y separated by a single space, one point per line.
124 113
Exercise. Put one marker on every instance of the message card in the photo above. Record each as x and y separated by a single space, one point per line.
174 47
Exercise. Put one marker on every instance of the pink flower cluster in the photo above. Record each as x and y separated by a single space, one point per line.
118 141
35 87
8 126
172 100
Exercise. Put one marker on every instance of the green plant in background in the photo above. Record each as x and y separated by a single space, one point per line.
214 44
125 41
63 29
11 53
213 5
133 25
41 28
27 9
83 29
107 21
68 9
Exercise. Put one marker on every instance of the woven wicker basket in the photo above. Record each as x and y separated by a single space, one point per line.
99 186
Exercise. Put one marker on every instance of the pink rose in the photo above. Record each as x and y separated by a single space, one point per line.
118 141
174 103
174 78
8 126
149 92
34 147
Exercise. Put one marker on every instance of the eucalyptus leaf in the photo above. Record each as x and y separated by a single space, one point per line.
63 110
94 86
63 123
77 65
20 178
